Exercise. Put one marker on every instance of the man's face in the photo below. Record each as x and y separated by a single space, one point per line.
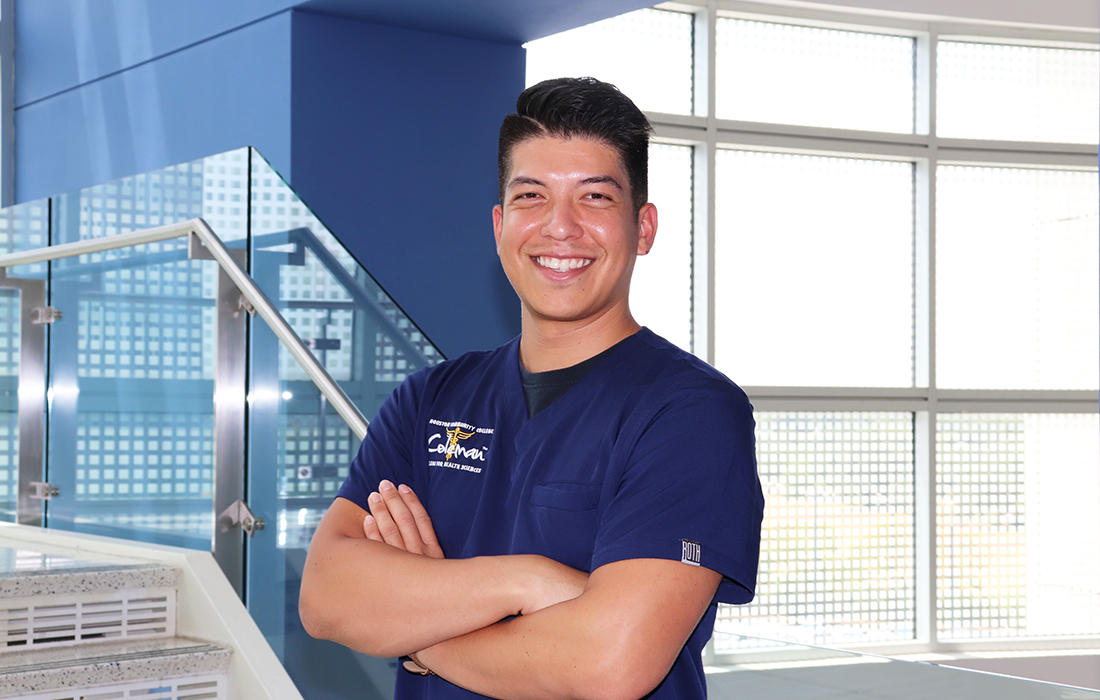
566 231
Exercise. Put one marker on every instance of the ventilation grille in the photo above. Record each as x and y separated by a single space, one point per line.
91 617
190 688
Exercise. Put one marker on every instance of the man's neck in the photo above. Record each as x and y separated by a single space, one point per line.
549 345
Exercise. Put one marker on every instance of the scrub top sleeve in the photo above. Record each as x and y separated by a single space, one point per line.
689 491
385 451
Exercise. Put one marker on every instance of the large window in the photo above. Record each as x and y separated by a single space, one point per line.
886 232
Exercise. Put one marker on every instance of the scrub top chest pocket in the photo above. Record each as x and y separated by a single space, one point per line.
561 521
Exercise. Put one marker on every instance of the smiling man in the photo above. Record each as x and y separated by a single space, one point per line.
557 518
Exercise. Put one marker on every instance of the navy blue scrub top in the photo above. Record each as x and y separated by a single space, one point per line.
650 455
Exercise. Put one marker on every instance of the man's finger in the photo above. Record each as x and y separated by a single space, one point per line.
370 529
423 522
402 517
383 520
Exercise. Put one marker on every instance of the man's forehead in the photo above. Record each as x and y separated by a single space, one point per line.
533 155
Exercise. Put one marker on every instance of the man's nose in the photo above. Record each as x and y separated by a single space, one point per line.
562 223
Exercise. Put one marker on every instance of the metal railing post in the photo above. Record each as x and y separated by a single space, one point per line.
32 395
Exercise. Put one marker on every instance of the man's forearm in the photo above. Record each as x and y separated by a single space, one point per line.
384 601
544 656
616 641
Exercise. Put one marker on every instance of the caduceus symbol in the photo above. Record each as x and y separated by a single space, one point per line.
455 435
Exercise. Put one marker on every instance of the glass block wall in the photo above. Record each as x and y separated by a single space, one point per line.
837 547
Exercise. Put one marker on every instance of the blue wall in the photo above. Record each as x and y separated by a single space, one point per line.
394 146
65 43
388 134
229 91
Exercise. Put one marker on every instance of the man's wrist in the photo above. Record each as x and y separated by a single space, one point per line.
519 578
415 665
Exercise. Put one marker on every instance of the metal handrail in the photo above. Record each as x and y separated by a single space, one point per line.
240 278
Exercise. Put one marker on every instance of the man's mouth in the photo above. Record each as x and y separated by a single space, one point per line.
562 264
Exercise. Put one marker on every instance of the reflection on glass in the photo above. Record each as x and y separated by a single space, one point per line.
660 291
836 559
142 201
647 54
300 448
1017 527
355 330
225 193
817 270
817 77
1017 93
131 396
1017 281
132 359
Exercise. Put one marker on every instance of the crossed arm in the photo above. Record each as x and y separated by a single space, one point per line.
378 582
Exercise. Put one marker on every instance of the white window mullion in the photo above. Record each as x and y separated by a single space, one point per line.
924 520
924 316
704 85
924 345
706 23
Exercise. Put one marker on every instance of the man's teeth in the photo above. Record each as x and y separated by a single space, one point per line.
562 264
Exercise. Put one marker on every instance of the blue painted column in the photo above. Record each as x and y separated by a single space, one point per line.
394 147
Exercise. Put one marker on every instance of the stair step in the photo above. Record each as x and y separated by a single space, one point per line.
153 663
65 598
26 573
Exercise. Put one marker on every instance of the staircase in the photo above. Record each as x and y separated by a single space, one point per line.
91 618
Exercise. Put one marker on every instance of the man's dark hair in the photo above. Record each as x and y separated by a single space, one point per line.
580 108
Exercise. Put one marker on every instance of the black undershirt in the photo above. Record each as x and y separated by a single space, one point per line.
540 389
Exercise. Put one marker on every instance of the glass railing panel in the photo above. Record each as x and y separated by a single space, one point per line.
368 345
131 395
796 672
355 330
22 227
281 221
214 188
25 227
225 194
132 360
9 403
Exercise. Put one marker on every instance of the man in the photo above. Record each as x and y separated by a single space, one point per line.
559 517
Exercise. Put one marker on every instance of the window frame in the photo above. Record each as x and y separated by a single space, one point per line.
706 133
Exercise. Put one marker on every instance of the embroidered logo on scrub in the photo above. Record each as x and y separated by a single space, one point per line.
461 445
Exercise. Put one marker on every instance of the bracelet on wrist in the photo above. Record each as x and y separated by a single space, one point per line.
413 665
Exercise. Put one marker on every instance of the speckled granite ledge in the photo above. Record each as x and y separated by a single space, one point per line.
110 663
87 580
22 557
25 572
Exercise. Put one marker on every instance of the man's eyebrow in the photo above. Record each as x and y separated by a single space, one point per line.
521 180
602 180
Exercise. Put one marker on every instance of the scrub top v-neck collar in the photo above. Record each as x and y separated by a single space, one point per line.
542 389
517 404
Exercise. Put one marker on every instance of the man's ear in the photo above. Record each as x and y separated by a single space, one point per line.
647 227
498 218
